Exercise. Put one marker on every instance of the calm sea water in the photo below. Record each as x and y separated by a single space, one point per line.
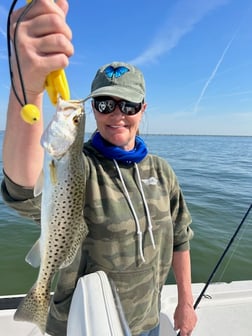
216 177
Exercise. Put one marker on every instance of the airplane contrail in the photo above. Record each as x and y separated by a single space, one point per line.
2 32
3 51
209 80
3 18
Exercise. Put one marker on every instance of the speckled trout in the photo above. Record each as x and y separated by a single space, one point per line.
62 223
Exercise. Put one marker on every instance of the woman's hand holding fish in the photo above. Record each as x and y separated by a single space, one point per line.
43 41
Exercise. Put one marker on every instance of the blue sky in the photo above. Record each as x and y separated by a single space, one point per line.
196 56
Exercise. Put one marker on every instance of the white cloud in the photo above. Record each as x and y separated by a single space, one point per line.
3 34
181 20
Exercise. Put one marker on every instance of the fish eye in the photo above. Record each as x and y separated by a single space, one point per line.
76 120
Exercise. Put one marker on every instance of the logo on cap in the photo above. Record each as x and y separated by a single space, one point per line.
111 72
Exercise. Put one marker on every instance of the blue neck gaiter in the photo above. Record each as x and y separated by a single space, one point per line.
116 153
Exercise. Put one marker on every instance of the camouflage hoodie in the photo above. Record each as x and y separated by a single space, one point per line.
137 217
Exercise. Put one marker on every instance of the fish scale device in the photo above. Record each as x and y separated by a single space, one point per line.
56 83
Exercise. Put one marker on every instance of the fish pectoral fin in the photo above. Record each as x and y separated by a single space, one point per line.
39 185
72 253
33 256
53 172
77 241
69 259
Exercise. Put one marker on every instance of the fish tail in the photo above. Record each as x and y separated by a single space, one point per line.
34 307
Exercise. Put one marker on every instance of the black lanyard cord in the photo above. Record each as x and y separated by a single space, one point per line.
9 48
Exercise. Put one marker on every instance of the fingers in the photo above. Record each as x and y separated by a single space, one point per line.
47 34
45 24
40 7
183 333
185 319
44 29
63 5
44 18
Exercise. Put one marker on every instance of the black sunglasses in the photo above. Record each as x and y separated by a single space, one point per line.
106 105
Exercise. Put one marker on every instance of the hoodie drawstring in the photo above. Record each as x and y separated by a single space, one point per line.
139 232
146 208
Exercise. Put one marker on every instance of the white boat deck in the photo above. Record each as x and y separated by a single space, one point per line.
225 311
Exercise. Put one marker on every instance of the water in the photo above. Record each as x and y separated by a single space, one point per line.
215 174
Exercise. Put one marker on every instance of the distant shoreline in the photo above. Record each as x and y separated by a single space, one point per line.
196 135
177 134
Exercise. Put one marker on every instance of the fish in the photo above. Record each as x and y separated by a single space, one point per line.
63 228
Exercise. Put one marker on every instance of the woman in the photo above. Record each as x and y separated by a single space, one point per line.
137 217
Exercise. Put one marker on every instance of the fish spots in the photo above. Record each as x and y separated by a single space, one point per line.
62 223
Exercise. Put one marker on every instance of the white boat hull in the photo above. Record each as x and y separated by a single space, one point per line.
225 310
